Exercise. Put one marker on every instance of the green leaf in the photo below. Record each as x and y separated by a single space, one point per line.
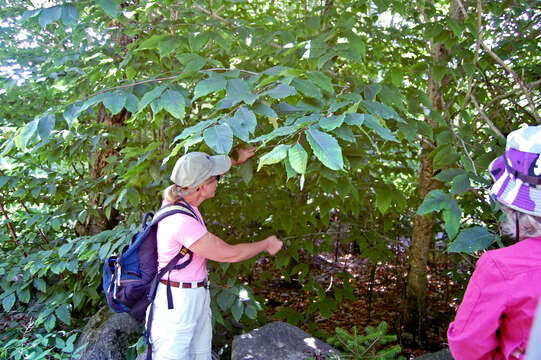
174 102
326 149
331 122
321 80
383 201
27 134
208 86
436 200
237 310
23 295
63 314
109 6
114 101
456 26
64 249
225 299
281 91
71 113
45 126
251 311
219 138
449 174
49 15
345 134
307 88
472 239
243 123
39 284
444 157
265 110
372 122
298 158
168 45
50 323
452 222
70 14
152 42
382 110
275 155
150 96
132 103
8 302
461 184
192 62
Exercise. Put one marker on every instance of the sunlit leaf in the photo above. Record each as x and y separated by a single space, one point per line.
298 158
219 138
277 154
326 149
472 239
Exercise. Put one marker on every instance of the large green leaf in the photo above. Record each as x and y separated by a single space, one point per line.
472 239
371 122
114 101
307 88
219 138
49 15
63 314
331 122
150 96
173 101
8 302
208 86
27 134
321 80
109 6
445 156
272 157
382 110
436 200
45 126
265 110
298 158
326 149
281 91
70 14
243 123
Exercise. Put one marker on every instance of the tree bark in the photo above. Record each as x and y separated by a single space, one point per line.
416 288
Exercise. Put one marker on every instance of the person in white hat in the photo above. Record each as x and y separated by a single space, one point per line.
496 313
185 331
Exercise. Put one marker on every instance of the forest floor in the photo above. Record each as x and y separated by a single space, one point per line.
379 296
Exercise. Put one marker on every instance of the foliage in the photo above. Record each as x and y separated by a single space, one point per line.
374 344
100 98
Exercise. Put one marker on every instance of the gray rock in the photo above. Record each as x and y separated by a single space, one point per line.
278 340
444 354
108 335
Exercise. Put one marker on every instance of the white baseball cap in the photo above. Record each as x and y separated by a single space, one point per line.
194 168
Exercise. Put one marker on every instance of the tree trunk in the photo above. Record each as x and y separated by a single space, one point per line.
97 220
416 288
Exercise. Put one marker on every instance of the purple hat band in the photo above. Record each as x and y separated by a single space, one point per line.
517 176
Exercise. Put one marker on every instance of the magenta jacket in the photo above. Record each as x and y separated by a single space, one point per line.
494 320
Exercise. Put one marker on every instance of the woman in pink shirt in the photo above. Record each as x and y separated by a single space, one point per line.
183 329
494 319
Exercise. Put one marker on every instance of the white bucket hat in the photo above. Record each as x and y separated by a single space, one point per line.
194 168
517 173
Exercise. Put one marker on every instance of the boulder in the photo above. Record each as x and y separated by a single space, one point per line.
108 335
279 340
444 354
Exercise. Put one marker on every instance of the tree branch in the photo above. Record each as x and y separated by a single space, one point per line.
504 65
11 228
484 116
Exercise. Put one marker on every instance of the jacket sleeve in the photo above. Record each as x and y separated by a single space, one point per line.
472 336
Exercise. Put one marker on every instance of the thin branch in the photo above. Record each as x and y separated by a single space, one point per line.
484 116
11 228
27 211
504 65
511 93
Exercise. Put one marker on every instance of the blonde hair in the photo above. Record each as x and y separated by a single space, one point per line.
529 225
175 193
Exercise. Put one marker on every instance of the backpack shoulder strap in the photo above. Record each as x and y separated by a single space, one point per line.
169 210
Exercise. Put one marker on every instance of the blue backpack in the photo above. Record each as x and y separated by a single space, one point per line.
130 279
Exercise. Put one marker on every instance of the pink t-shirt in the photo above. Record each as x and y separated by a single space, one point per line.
175 231
493 322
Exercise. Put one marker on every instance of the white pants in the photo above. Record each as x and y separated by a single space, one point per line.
184 332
